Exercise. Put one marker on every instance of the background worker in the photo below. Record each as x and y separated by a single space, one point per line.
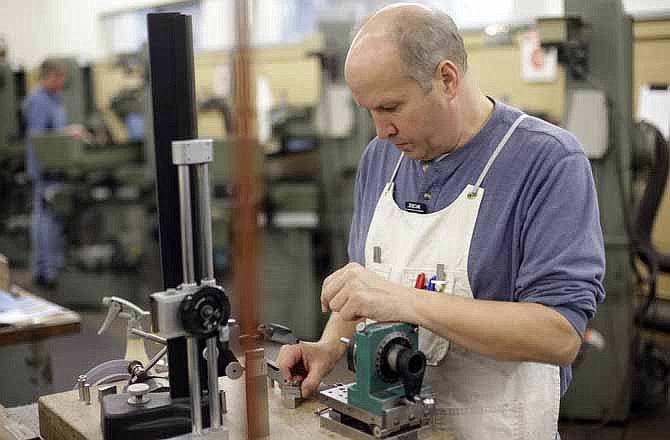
505 201
44 111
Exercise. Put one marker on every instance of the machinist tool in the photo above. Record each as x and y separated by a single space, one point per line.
388 399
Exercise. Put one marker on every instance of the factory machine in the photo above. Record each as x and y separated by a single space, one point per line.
14 185
388 399
594 43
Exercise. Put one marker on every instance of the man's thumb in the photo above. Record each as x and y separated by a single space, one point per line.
311 383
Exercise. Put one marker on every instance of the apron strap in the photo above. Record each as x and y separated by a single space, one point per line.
397 167
495 153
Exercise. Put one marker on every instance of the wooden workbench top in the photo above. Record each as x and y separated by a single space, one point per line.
64 417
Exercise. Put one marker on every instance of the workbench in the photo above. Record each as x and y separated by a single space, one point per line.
64 417
24 353
63 323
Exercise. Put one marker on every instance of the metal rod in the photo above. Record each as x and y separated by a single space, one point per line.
186 224
194 383
149 336
154 360
206 248
246 234
213 384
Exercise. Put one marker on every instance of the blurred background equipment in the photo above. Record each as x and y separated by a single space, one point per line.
594 42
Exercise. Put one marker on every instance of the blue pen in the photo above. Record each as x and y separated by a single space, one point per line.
431 284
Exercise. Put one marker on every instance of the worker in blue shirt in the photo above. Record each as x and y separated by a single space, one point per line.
505 203
44 111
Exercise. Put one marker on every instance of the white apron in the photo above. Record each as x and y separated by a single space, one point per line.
478 398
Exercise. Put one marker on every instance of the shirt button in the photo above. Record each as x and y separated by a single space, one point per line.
424 167
427 196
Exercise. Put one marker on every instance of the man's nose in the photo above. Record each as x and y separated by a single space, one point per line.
385 129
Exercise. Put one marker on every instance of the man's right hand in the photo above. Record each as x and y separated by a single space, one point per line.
308 362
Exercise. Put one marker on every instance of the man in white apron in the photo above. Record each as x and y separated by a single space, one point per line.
505 202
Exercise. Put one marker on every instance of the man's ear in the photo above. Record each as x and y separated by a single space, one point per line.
449 77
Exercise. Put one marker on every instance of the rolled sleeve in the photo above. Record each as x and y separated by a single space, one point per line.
563 262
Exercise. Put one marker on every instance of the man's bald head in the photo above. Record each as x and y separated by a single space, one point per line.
422 37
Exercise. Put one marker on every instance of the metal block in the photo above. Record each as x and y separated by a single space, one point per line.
327 421
291 394
219 434
105 390
165 310
397 418
192 152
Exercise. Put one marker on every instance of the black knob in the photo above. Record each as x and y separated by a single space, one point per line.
203 312
411 368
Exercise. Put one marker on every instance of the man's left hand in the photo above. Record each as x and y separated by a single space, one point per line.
356 292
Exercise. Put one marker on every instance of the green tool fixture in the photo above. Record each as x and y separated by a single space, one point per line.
388 398
386 365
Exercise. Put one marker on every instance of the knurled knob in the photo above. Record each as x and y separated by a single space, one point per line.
138 393
138 389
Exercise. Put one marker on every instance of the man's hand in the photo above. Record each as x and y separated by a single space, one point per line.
78 132
308 362
356 292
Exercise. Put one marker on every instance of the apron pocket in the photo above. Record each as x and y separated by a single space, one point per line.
383 270
503 421
409 275
460 283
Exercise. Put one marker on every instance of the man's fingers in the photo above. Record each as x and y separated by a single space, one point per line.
311 383
288 357
340 300
349 312
333 284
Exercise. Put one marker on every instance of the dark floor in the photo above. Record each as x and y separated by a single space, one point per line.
74 354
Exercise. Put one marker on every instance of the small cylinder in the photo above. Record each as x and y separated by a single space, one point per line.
81 380
87 393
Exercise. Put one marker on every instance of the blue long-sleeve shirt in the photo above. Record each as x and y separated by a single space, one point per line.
537 237
42 111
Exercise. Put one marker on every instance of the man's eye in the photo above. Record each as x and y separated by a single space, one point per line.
390 108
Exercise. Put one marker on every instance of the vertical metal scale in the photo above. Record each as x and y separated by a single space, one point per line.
191 312
174 118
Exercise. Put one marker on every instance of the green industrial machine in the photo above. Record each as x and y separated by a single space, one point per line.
340 149
594 42
9 105
57 151
14 187
75 92
388 399
288 204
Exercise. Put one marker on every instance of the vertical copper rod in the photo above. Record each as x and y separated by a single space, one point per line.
245 226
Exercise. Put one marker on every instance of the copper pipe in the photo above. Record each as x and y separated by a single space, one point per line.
245 223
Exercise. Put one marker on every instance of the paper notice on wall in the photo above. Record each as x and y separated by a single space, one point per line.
222 81
653 106
537 64
335 113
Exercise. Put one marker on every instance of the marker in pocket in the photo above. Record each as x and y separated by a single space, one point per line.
420 281
377 255
431 284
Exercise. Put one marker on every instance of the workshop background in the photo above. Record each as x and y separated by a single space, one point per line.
310 137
